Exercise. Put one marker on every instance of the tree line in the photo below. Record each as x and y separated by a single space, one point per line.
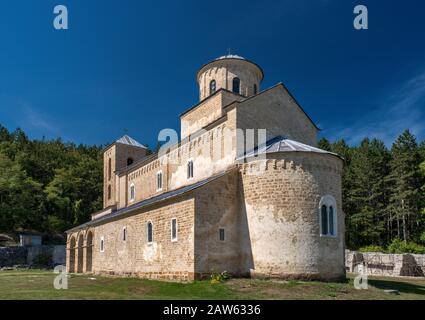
383 191
47 185
50 186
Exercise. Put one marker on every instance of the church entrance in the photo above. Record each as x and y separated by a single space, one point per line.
89 252
80 254
72 255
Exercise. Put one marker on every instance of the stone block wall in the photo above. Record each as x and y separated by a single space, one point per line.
389 265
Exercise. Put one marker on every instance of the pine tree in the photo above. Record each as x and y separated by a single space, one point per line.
406 183
369 193
324 144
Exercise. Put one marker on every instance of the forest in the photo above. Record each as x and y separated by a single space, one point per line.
50 186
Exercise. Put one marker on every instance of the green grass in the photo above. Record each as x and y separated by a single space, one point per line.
38 284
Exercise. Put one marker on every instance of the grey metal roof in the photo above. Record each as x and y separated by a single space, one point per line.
150 201
125 139
230 56
281 144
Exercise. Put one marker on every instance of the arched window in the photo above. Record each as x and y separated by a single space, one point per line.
324 218
190 169
130 161
109 168
132 192
109 192
213 87
159 181
328 216
102 244
149 232
124 234
255 89
236 85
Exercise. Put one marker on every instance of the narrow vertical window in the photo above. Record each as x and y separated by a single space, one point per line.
159 181
328 216
109 168
124 234
109 192
331 221
213 87
174 229
190 169
102 244
221 234
324 216
132 192
149 232
236 85
255 89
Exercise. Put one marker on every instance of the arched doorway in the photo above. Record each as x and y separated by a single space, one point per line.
89 252
80 254
71 267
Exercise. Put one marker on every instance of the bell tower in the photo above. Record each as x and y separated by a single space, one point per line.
118 155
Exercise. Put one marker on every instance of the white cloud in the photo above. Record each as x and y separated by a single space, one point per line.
405 109
25 115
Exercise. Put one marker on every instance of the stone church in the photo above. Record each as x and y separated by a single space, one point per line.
246 191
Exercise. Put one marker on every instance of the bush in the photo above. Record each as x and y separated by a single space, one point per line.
372 248
219 277
399 246
43 259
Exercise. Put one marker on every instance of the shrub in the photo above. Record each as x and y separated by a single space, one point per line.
399 246
423 237
219 277
43 259
372 248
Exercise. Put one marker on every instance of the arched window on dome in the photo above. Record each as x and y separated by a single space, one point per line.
255 89
328 216
213 87
236 85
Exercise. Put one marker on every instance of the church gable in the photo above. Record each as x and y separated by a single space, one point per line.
279 113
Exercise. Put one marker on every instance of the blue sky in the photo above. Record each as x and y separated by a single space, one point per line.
130 65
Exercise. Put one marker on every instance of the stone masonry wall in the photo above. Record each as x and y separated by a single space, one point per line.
217 207
277 112
161 259
280 199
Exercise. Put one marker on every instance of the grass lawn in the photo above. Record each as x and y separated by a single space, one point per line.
38 284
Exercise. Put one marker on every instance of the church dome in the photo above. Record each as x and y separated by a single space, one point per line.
232 73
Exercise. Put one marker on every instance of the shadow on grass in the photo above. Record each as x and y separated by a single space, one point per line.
402 287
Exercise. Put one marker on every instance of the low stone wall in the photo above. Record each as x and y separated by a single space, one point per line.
10 256
25 256
390 265
58 253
